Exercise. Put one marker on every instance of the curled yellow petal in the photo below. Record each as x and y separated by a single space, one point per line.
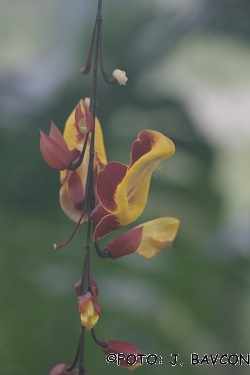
157 235
122 190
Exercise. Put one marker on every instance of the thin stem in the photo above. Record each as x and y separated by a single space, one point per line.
108 79
81 351
93 97
85 272
58 246
103 254
73 167
89 188
73 365
90 195
99 342
85 288
87 67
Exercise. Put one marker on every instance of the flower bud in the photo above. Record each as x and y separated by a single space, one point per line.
126 348
83 118
93 284
89 310
147 239
120 76
54 149
61 369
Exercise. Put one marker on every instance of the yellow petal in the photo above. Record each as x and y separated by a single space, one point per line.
68 207
89 318
132 193
157 235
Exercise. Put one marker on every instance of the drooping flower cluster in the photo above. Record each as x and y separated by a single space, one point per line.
121 191
107 196
121 194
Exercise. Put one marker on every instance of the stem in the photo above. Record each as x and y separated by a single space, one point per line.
58 246
87 67
108 79
85 289
73 167
89 189
99 342
73 365
103 254
85 272
81 351
93 97
90 195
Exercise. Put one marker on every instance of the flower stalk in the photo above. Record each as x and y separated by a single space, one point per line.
107 196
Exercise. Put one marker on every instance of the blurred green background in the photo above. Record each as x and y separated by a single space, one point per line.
188 67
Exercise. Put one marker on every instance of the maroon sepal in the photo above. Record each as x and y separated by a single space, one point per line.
105 226
126 243
93 284
126 348
88 297
98 213
76 190
54 149
84 121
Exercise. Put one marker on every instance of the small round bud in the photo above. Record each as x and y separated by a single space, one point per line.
120 76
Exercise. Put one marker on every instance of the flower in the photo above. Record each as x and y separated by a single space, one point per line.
120 76
147 239
129 353
89 310
83 118
54 149
73 190
93 284
123 190
61 369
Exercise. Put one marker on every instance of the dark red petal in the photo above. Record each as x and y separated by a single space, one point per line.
76 190
93 284
78 115
98 213
89 297
141 146
108 179
78 286
106 225
75 153
53 154
89 119
86 297
57 136
94 287
126 243
116 347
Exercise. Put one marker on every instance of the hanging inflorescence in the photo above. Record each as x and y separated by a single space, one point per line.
106 196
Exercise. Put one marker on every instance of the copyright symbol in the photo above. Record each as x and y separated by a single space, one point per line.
111 358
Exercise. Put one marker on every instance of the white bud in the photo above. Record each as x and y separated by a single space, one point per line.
120 76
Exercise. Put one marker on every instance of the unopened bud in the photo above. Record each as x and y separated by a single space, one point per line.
120 76
83 118
89 310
